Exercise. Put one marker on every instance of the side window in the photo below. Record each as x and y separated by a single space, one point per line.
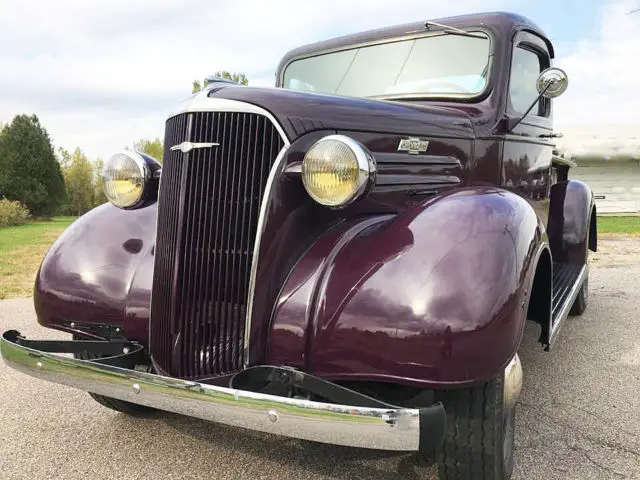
526 65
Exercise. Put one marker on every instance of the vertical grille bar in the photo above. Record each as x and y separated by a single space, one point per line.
237 352
228 307
200 316
166 240
192 254
208 209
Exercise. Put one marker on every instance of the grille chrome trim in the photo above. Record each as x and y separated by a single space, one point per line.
276 170
201 103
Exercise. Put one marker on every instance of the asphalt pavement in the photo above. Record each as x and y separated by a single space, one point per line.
579 415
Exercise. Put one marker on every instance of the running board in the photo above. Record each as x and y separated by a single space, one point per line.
567 281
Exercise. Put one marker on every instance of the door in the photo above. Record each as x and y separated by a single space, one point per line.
528 149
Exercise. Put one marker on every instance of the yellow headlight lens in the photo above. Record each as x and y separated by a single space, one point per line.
124 179
335 170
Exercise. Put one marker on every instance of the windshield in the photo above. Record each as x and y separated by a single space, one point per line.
441 65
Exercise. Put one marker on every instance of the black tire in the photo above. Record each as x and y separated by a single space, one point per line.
580 303
129 408
479 440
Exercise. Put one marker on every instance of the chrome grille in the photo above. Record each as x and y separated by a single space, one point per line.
208 209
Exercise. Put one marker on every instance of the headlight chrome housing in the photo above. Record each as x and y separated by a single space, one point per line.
337 170
130 179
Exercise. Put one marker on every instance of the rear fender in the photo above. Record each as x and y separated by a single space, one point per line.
572 222
99 272
431 297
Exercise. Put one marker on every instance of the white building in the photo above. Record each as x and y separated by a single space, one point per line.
608 158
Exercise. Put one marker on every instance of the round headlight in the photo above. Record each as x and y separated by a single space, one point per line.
125 176
336 170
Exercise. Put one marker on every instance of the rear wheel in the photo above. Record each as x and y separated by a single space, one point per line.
580 303
113 403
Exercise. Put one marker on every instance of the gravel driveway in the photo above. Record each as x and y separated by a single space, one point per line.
579 416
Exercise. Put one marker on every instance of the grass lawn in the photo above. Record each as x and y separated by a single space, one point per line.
628 225
21 251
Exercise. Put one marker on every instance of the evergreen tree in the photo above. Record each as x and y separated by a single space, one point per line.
29 172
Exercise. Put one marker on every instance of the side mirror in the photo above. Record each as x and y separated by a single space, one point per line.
552 82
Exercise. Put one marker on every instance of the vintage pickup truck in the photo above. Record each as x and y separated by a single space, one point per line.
349 257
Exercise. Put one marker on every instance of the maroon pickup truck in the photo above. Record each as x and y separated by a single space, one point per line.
348 258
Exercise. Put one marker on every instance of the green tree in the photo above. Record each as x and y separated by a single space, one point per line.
78 177
240 78
29 172
99 197
64 158
153 148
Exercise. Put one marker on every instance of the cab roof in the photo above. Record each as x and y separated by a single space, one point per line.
504 24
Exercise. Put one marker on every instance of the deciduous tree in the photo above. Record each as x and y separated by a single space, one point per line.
237 77
64 157
99 197
153 148
78 177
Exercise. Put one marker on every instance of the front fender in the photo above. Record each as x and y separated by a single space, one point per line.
99 272
433 296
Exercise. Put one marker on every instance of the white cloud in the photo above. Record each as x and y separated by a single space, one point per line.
600 110
103 74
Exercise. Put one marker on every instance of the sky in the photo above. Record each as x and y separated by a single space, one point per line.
101 75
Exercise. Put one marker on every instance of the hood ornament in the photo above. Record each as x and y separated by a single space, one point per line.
186 147
413 145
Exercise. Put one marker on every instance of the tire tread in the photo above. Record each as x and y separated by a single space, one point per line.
580 303
472 447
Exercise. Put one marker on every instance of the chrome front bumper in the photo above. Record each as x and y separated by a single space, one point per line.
402 429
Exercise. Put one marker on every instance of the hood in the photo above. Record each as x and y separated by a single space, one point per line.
302 112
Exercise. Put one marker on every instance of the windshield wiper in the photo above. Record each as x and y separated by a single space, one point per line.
452 30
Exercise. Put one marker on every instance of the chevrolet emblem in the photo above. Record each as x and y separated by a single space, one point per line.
413 145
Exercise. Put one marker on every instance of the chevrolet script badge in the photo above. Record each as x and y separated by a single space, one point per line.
185 147
413 145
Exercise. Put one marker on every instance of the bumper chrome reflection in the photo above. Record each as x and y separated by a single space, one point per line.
401 429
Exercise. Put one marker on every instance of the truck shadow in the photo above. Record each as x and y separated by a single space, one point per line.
299 455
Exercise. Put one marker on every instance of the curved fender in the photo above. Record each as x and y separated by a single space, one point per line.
99 271
431 297
571 213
